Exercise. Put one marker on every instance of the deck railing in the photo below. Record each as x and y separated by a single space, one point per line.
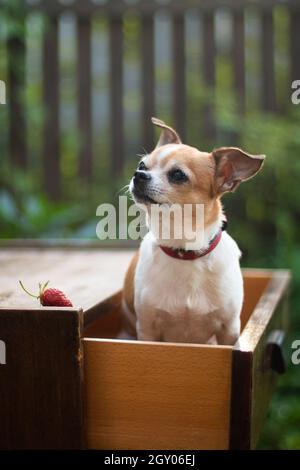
114 11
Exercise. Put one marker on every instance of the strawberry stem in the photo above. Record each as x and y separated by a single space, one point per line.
42 289
45 285
25 290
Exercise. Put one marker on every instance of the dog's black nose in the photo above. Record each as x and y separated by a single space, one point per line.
141 176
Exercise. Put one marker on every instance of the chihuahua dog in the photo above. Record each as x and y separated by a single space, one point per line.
172 293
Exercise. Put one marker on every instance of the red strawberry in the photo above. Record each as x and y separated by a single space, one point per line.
50 297
55 297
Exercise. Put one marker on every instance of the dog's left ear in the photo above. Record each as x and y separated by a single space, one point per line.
168 135
233 166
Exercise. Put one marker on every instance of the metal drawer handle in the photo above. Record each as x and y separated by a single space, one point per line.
274 358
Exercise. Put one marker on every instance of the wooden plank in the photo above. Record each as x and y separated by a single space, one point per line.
41 383
238 57
240 403
86 276
269 315
116 94
249 402
16 95
84 96
179 82
264 310
103 320
152 395
264 379
209 74
295 44
255 283
148 82
268 98
68 244
51 152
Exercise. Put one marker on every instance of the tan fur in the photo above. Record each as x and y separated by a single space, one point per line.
202 169
129 283
128 295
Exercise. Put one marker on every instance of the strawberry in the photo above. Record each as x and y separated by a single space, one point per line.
50 297
55 297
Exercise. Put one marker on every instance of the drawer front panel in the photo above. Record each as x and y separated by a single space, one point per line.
156 396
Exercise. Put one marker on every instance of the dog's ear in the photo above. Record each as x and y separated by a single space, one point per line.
233 166
168 135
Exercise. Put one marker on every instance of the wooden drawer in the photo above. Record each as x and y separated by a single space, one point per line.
164 395
69 382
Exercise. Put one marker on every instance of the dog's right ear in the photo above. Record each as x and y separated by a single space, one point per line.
168 135
233 166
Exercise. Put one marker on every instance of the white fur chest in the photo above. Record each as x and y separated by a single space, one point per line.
181 300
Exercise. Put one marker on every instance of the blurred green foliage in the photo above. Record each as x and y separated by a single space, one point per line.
264 214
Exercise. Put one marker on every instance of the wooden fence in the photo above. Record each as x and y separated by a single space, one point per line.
114 11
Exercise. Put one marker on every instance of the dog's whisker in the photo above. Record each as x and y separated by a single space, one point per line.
125 189
145 151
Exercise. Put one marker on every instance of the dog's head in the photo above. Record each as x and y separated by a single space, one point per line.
174 173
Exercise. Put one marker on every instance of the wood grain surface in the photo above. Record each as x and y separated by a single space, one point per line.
142 395
136 394
253 383
86 276
41 383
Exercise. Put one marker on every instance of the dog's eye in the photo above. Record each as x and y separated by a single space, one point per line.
142 166
177 176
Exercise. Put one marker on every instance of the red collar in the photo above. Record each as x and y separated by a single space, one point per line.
191 255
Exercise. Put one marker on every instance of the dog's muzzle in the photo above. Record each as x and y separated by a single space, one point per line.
141 178
140 181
